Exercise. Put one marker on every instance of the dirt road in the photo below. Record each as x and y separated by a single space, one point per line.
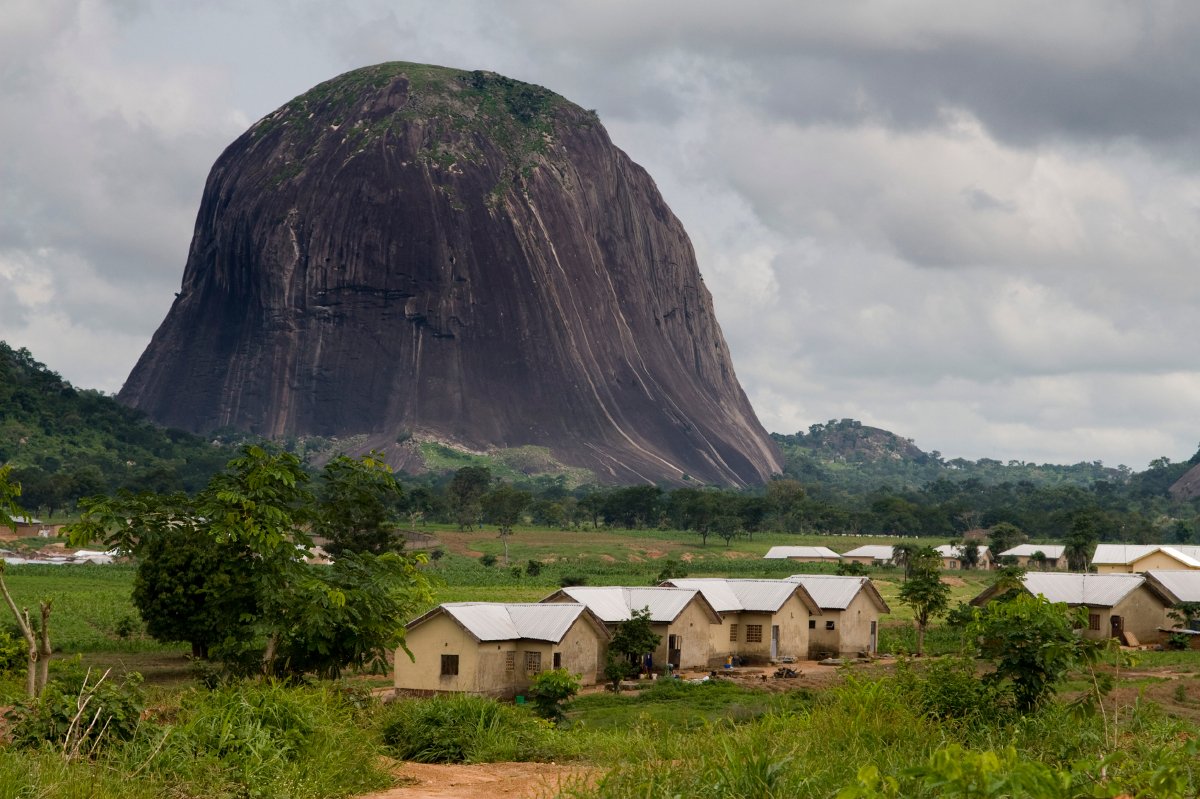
481 781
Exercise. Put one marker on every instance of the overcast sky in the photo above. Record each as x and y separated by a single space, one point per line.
973 224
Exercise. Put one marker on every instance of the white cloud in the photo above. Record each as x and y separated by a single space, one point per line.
971 224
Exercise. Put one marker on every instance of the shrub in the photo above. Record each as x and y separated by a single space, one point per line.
266 740
551 691
79 711
461 728
12 652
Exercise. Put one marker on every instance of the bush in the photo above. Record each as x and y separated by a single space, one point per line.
949 689
551 691
461 728
13 650
79 711
266 740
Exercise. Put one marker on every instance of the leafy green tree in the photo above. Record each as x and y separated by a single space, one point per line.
1081 541
924 591
970 554
551 691
351 614
1032 643
358 503
254 516
189 587
670 570
1004 536
851 569
902 555
503 506
631 640
464 493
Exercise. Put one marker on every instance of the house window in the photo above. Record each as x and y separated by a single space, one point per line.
829 625
1093 621
812 624
510 661
754 633
449 665
558 660
533 662
733 632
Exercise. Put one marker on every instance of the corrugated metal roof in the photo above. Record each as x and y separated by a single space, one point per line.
956 550
1052 551
505 621
802 552
616 603
829 591
1121 554
877 551
730 595
1183 584
1101 590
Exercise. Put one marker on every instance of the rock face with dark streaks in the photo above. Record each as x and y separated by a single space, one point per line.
413 250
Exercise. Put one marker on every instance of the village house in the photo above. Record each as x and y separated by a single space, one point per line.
681 616
804 554
850 611
953 557
497 648
1121 606
1134 558
762 620
1026 556
1180 587
871 555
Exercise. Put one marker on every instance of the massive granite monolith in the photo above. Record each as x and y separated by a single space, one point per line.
409 250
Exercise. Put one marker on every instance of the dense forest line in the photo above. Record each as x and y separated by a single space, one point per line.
840 477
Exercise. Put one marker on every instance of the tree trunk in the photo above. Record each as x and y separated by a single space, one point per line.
44 650
268 660
920 639
23 623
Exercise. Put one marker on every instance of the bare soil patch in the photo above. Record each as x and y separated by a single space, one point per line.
482 780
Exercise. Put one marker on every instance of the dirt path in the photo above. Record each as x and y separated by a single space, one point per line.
481 781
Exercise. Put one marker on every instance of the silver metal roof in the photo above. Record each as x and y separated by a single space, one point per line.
616 603
1101 590
1183 585
956 550
1052 551
732 595
802 552
1120 554
830 591
876 551
504 621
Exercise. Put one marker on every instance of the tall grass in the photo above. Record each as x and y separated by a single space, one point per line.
469 729
874 737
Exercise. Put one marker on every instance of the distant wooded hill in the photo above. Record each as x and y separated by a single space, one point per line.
856 458
65 442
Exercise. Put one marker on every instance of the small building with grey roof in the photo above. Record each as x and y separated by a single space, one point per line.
681 616
954 557
1121 606
871 555
761 620
850 611
804 554
1052 556
1136 558
497 648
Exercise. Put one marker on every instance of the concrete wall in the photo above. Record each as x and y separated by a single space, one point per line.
1025 562
483 668
1155 560
851 631
695 626
1142 613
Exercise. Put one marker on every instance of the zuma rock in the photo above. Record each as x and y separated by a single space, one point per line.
409 250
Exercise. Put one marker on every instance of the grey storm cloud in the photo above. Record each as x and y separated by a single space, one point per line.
970 223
